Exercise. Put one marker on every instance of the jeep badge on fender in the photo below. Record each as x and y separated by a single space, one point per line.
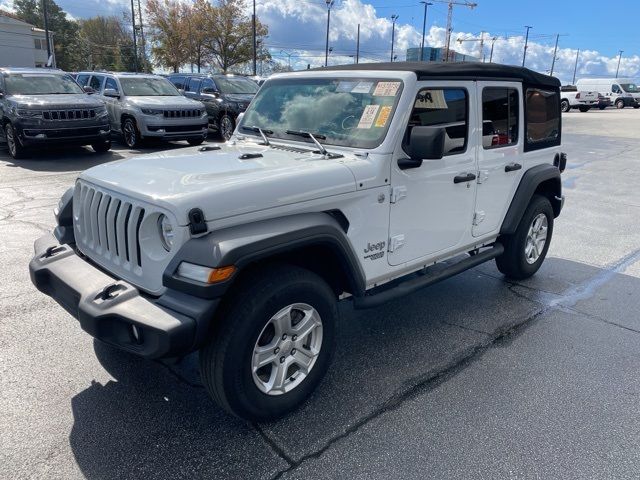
407 164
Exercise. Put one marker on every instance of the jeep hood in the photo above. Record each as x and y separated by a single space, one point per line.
221 183
173 101
64 101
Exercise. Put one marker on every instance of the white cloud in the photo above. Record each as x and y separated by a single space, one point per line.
299 27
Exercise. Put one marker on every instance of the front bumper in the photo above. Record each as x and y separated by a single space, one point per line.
79 135
115 311
171 129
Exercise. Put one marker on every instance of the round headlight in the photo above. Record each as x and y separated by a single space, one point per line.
167 232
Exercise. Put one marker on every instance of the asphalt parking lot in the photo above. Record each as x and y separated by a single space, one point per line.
473 378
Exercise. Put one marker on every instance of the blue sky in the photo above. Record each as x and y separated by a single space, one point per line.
298 28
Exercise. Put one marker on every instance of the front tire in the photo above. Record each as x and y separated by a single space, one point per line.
620 104
565 106
195 141
226 126
602 107
526 249
273 344
101 147
16 150
130 133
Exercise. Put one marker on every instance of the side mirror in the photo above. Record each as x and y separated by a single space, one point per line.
88 90
110 92
425 143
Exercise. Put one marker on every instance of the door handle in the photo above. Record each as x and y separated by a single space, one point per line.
465 177
512 167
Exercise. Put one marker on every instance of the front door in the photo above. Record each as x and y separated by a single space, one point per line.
500 159
432 207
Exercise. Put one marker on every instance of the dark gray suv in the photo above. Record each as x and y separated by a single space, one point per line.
40 107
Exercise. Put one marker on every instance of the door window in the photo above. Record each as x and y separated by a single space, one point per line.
207 83
179 81
615 89
442 108
499 117
194 83
82 79
111 83
96 82
542 119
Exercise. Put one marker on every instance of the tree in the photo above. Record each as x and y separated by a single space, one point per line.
106 44
168 33
195 27
65 32
230 35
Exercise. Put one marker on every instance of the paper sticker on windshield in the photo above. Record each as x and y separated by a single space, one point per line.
368 116
383 116
386 89
362 87
431 99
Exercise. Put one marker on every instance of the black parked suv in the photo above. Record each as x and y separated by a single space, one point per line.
225 96
39 107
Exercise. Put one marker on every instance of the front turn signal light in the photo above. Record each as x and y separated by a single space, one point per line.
203 274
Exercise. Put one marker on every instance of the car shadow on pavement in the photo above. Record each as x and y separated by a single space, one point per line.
156 420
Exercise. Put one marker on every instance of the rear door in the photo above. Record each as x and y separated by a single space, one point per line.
500 155
431 209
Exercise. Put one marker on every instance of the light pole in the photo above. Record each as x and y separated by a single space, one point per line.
619 58
493 42
526 43
394 17
288 57
575 68
424 27
255 48
555 51
358 46
326 49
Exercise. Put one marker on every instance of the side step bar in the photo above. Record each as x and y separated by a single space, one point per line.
416 283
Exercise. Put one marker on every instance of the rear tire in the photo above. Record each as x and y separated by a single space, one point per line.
16 150
584 109
195 141
259 322
620 104
526 249
565 106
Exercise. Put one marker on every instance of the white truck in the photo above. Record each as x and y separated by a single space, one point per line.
340 184
583 100
623 92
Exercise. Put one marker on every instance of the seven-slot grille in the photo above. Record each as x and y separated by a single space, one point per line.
108 226
69 114
182 113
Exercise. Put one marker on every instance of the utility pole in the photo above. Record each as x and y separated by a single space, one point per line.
575 69
555 50
135 47
493 42
288 57
326 48
143 43
619 58
358 45
394 17
424 27
526 44
450 20
45 14
255 49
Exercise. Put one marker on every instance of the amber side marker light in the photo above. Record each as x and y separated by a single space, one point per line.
204 274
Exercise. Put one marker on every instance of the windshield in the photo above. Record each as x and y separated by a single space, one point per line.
630 87
236 85
40 84
148 87
350 112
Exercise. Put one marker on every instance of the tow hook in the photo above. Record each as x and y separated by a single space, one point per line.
51 251
110 291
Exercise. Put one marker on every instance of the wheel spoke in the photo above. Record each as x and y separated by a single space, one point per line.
307 325
279 376
304 358
282 321
263 356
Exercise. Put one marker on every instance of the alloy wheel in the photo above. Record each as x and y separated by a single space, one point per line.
226 127
287 349
130 134
11 141
536 238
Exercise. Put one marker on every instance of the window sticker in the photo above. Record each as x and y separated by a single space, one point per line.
383 116
368 116
386 89
345 86
362 87
431 99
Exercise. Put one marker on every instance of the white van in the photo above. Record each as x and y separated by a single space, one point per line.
623 92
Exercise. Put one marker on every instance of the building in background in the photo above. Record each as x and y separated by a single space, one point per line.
22 44
436 54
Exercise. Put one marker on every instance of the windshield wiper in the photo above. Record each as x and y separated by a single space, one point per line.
313 137
261 132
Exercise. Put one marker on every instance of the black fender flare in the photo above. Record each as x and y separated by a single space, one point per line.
245 244
529 184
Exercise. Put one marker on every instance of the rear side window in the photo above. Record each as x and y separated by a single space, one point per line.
82 80
542 118
442 107
499 117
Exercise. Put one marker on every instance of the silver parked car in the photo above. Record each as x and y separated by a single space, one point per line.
143 105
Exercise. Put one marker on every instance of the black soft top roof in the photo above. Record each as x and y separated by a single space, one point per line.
458 71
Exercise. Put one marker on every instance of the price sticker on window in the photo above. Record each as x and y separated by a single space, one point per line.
386 89
368 116
383 116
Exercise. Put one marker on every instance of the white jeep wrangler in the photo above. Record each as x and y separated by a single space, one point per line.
339 183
